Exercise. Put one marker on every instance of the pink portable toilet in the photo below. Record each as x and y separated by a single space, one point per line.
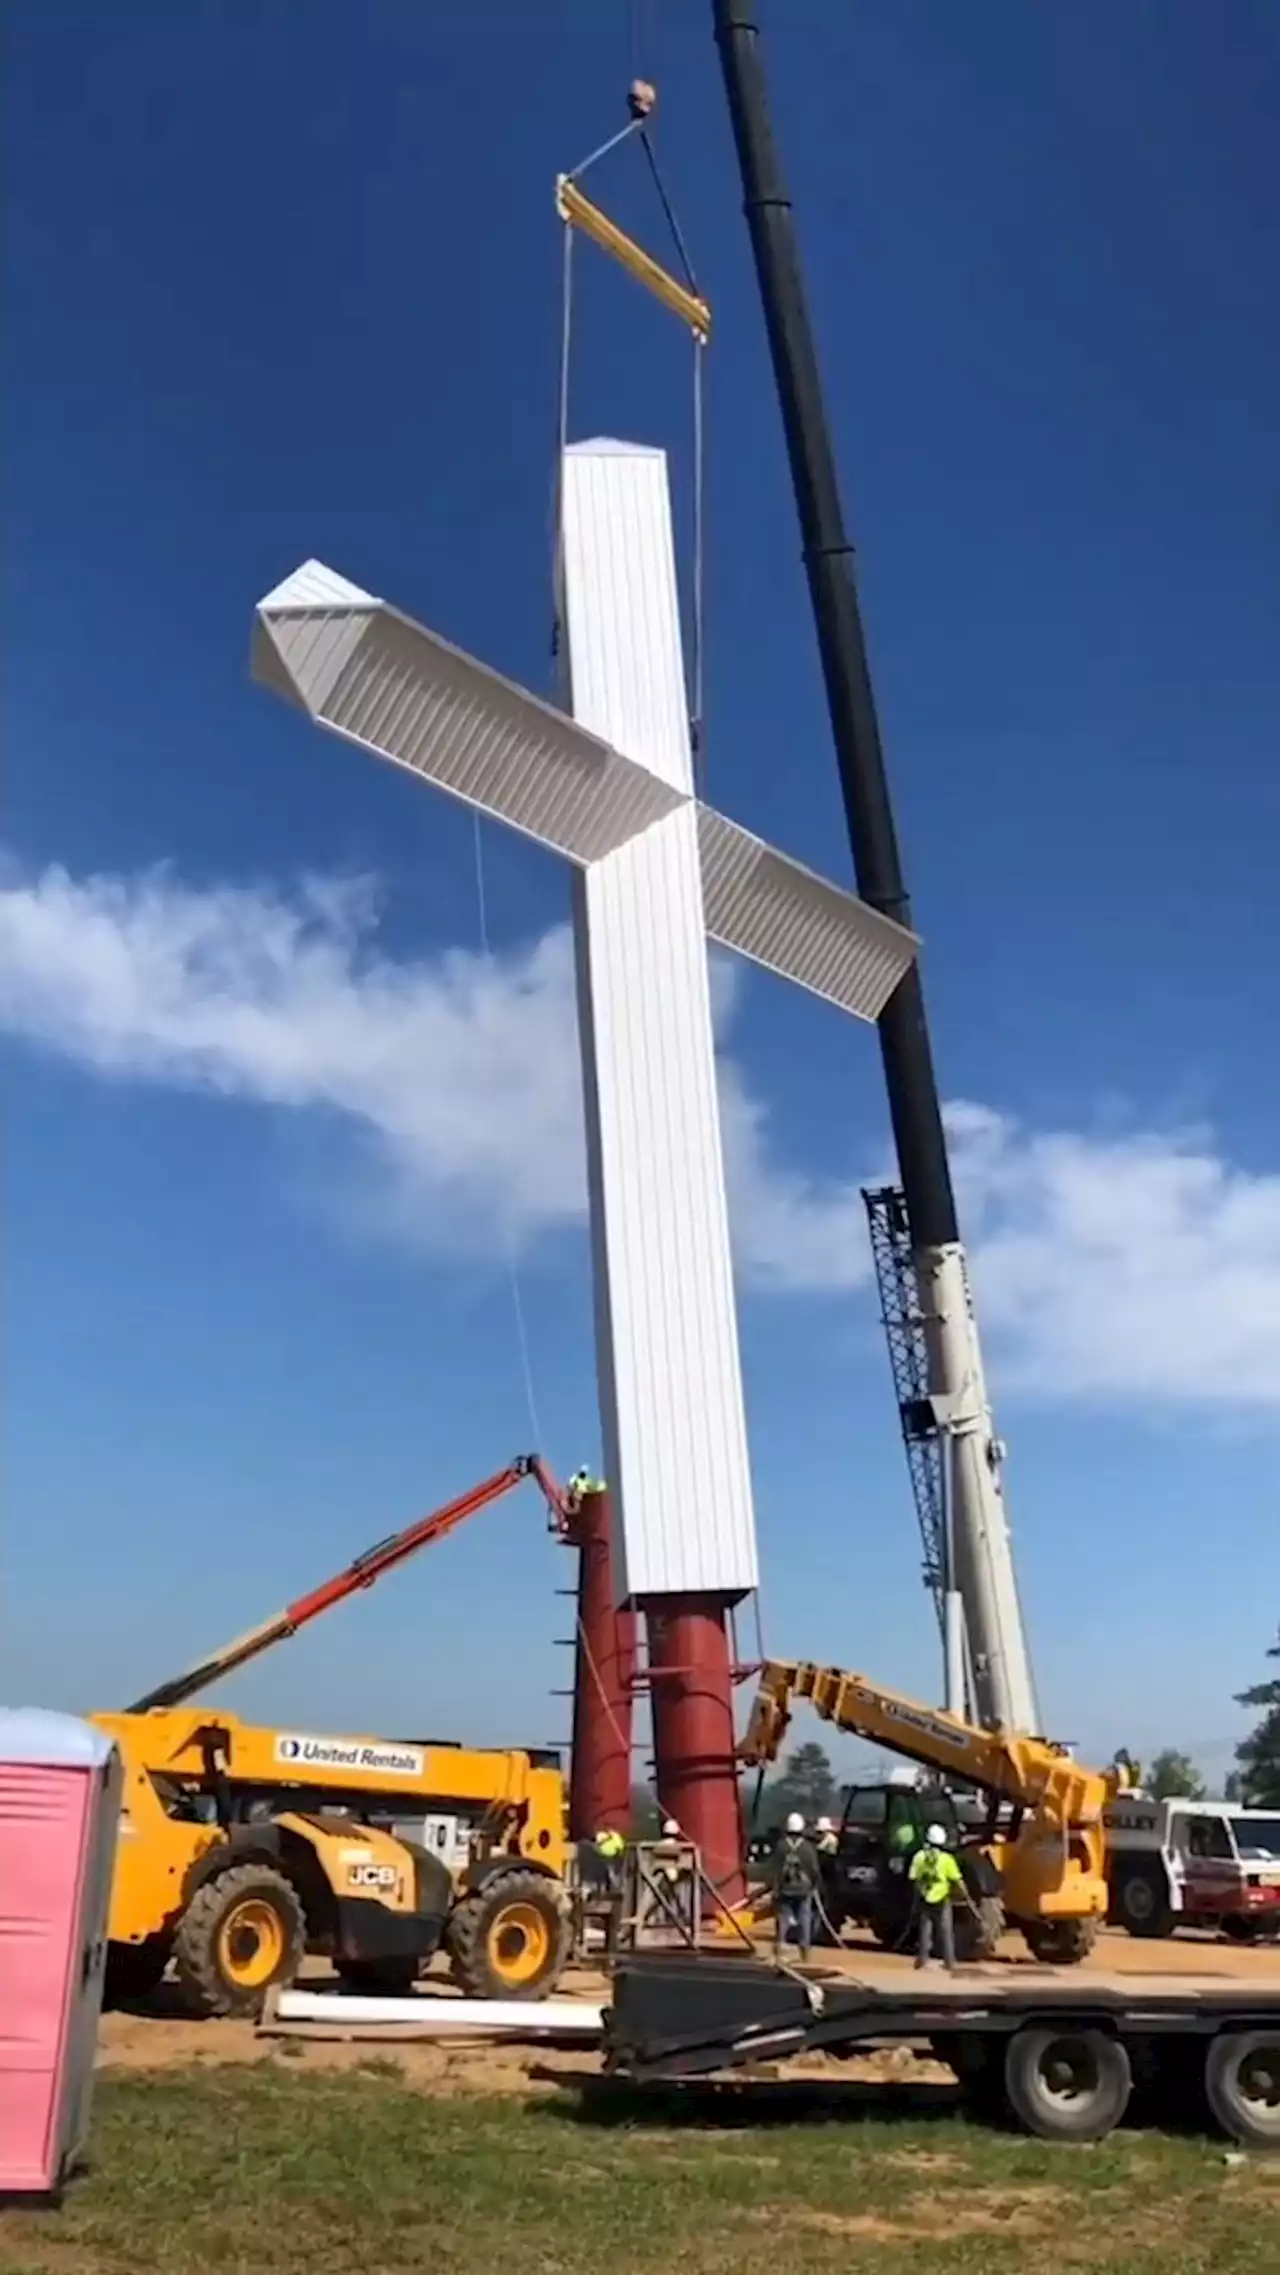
60 1782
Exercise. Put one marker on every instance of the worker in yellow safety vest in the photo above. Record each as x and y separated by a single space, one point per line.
937 1880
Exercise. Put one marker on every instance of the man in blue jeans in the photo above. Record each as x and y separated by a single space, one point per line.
796 1876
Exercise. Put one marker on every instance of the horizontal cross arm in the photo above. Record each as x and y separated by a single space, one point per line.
379 679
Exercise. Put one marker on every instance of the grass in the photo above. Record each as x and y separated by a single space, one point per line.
227 2171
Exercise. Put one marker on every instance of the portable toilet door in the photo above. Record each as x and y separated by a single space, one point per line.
60 1787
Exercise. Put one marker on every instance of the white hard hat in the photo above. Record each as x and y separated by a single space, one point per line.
795 1822
825 1825
670 1829
937 1836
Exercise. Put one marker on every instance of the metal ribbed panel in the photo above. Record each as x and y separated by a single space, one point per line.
779 913
671 1384
401 691
622 606
315 586
302 652
667 1338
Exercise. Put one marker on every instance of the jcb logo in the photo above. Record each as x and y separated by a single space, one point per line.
371 1876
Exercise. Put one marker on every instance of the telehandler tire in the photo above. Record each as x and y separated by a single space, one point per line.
978 1929
240 1933
509 1938
134 1971
1060 1943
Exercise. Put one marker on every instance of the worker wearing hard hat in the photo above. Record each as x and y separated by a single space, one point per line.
796 1876
937 1880
825 1837
611 1847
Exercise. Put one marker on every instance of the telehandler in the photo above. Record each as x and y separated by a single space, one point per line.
1036 1862
242 1849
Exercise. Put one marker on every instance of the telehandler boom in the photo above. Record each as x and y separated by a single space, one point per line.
383 1557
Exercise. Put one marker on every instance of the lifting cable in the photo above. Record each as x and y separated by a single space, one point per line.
513 1267
579 213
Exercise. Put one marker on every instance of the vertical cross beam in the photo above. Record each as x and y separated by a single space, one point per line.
667 1331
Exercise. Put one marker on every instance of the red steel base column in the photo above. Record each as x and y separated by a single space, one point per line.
691 1693
603 1677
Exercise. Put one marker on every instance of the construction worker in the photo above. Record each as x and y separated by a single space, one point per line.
937 1879
826 1839
671 1869
612 1847
796 1876
582 1481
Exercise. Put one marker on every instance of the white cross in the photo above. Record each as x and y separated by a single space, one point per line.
657 873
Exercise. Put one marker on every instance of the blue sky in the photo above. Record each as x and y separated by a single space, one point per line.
272 297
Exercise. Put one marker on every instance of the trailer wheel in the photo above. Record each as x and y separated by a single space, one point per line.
1067 2085
509 1938
240 1933
1242 2085
1142 1900
1060 1943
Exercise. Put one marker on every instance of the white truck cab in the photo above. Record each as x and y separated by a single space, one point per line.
1193 1864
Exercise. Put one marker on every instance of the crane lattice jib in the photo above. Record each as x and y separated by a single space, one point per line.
909 1360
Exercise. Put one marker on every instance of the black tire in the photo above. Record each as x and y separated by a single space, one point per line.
1067 2085
978 1931
1239 1928
241 1933
509 1938
378 1978
1060 1943
1242 2085
134 1971
1141 1899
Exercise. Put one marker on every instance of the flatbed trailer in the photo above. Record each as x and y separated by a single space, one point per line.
1058 2050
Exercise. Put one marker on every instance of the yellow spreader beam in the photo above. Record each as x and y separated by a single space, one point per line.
581 214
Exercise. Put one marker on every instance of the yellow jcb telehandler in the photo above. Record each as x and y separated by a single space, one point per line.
242 1849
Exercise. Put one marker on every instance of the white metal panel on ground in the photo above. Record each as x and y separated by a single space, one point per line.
670 1373
418 2016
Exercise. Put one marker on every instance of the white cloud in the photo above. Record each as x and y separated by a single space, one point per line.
1105 1265
1141 1263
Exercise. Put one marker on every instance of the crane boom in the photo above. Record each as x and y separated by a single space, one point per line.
982 1575
383 1557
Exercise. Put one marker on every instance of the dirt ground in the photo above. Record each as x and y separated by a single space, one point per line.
166 2038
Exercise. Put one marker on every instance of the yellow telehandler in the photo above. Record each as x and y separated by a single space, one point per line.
242 1849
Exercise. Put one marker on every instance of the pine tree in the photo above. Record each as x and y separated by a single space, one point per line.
1259 1753
1174 1777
